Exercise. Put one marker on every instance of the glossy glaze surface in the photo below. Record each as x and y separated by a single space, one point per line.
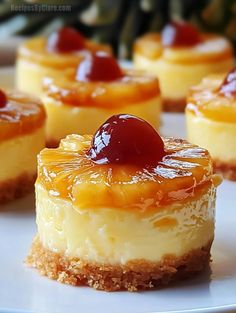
68 173
20 115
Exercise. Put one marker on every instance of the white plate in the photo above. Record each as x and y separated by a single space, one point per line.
23 290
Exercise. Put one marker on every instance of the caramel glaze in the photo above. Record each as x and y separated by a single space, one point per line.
133 88
35 50
206 100
150 46
66 172
21 115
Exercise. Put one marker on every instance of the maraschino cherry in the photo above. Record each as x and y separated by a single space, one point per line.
126 139
3 99
99 67
180 34
228 87
64 40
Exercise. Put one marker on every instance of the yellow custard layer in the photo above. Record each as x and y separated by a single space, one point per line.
111 236
18 155
67 119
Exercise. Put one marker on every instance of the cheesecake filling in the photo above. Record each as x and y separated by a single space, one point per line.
112 236
204 131
169 73
18 154
86 120
30 75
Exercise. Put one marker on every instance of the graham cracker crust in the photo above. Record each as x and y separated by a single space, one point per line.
17 187
134 275
177 106
226 169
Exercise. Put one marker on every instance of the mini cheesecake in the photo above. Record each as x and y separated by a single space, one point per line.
82 99
39 57
124 209
211 120
180 57
22 136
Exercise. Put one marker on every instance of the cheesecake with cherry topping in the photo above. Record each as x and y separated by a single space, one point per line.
211 120
40 56
22 121
180 57
124 209
81 99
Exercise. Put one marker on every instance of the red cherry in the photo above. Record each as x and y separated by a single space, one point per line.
64 40
228 87
126 139
3 99
180 34
99 67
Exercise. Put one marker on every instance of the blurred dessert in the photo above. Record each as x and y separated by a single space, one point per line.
82 99
180 57
124 209
211 120
39 57
22 136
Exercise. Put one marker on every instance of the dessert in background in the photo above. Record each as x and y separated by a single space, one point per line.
81 99
39 57
123 209
180 57
22 136
211 120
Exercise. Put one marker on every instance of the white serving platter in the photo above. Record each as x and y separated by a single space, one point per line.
22 290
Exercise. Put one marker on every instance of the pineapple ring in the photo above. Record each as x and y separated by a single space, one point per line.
22 114
36 51
134 87
205 99
66 172
212 49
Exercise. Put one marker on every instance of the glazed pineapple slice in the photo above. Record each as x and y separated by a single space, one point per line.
207 99
132 87
183 171
21 115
